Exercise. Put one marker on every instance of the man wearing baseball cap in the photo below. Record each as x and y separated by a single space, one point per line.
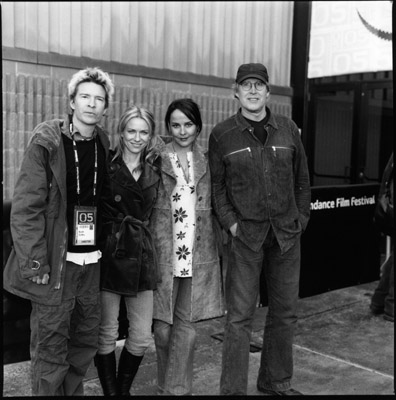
261 196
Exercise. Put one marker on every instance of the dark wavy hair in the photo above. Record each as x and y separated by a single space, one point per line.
189 108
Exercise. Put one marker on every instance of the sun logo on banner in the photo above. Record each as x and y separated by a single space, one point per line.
371 15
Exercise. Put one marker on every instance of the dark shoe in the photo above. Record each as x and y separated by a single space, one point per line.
128 366
376 310
287 392
389 318
106 366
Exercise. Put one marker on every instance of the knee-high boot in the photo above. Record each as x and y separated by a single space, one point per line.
106 366
128 366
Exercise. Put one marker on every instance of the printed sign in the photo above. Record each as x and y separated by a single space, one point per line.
340 246
350 37
342 202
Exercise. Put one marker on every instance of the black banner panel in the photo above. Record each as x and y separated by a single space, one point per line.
341 246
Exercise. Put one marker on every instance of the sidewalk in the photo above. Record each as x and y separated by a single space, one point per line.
340 349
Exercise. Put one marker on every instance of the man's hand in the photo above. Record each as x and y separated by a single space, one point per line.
233 229
40 281
43 277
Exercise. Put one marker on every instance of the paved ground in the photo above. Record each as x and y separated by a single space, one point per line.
340 349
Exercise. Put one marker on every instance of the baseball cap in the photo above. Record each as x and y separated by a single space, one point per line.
252 70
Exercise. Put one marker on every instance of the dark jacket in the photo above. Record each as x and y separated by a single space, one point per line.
129 263
384 215
256 185
387 181
38 215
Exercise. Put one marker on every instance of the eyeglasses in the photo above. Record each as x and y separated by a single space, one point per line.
246 86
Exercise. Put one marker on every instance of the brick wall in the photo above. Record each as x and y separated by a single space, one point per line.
29 99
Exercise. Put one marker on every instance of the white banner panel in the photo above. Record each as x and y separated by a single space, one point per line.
350 37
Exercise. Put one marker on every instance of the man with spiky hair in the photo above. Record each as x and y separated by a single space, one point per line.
55 226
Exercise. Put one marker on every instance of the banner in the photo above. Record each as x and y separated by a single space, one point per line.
350 37
341 246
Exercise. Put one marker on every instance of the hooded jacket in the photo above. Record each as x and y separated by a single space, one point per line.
38 215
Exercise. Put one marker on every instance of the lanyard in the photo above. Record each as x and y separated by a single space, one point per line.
77 164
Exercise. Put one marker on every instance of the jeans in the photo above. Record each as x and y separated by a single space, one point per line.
175 343
282 272
139 313
384 295
64 338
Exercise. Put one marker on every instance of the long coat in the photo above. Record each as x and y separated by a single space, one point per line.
206 294
129 263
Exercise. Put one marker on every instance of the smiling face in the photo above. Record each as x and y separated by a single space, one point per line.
89 105
183 131
136 135
252 101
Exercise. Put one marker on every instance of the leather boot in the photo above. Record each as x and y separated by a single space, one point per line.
128 366
106 366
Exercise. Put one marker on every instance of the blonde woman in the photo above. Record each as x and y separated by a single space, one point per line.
129 265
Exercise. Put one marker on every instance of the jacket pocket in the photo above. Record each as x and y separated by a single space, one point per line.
248 149
282 153
122 275
23 287
241 164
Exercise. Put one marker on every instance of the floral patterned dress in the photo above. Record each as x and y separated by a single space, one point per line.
183 211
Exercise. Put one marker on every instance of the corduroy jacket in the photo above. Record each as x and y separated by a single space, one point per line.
256 185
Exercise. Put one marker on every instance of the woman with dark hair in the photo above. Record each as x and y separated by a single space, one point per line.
129 264
183 230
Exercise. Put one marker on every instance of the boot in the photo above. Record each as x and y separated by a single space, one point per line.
106 366
128 366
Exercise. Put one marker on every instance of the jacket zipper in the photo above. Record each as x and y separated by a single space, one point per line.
238 151
58 283
279 147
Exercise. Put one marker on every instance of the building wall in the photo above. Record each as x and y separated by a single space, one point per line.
44 43
205 38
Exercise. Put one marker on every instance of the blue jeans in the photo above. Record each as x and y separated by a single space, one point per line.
64 338
384 295
140 315
175 343
282 273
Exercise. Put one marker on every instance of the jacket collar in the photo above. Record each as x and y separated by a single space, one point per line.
199 156
243 124
148 178
103 136
150 175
